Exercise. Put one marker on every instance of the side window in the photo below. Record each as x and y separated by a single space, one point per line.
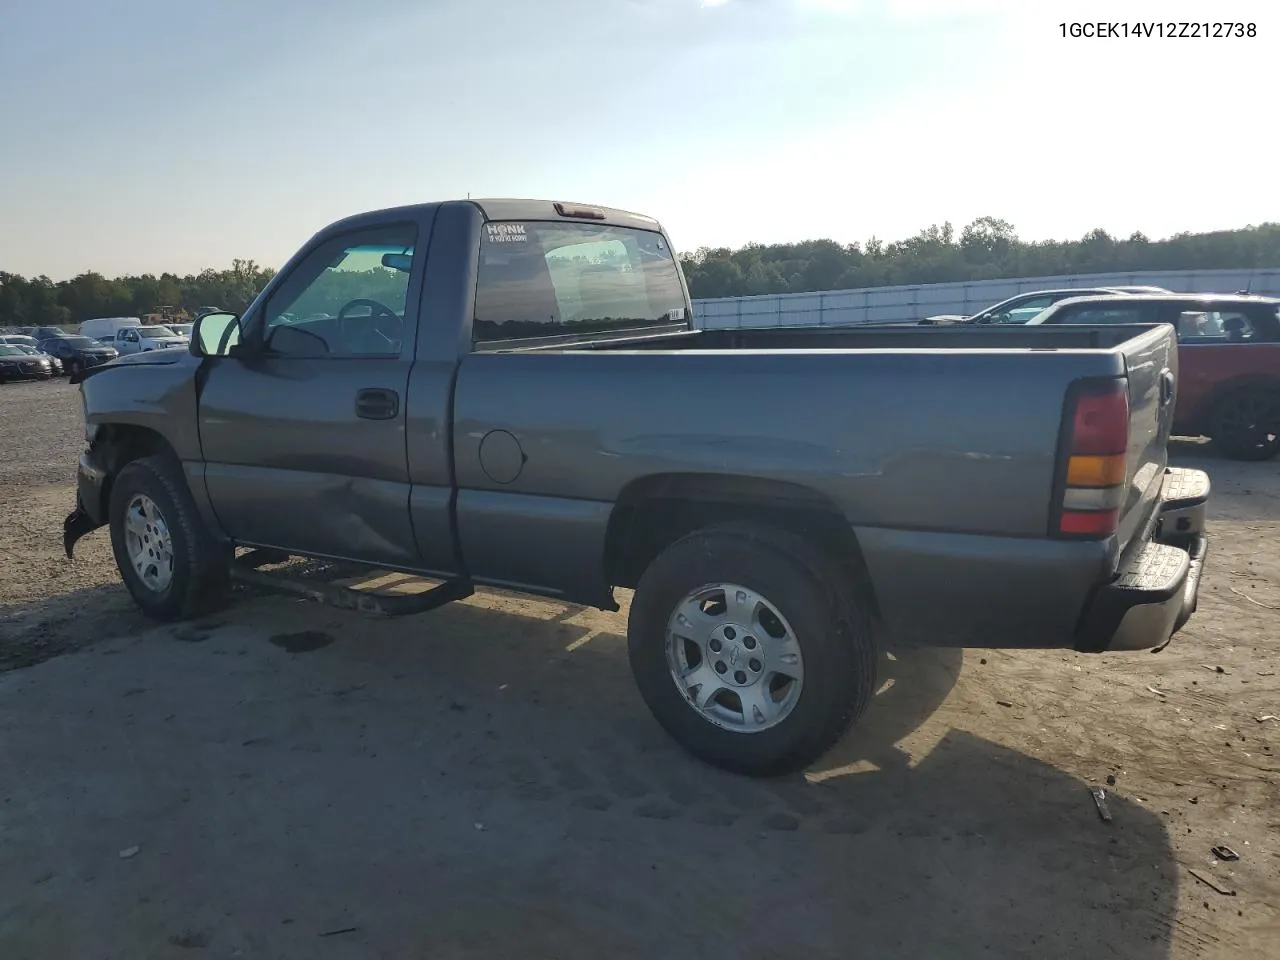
1035 303
1215 327
1020 311
347 298
1107 314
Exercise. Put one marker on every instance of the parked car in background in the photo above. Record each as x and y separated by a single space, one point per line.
44 333
78 353
145 339
17 364
37 352
1024 306
100 327
181 329
18 339
1228 357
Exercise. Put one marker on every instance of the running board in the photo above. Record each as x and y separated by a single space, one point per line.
243 570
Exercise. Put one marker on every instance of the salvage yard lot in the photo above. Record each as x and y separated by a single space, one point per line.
286 780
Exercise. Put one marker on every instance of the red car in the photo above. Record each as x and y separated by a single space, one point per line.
1228 361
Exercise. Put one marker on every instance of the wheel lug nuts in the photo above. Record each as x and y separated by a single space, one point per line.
730 633
740 676
715 646
749 643
754 664
720 667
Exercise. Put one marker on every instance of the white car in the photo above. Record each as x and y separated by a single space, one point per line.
144 339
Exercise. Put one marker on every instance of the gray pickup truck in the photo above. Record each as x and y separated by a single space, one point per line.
513 393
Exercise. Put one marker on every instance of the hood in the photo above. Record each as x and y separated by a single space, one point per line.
150 358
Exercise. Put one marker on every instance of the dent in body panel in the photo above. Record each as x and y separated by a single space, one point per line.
1147 359
291 464
194 471
546 545
949 589
156 396
947 441
429 398
336 515
434 531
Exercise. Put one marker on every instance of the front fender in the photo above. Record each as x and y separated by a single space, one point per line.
155 392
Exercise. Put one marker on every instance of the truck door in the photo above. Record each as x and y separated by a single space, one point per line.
127 340
304 441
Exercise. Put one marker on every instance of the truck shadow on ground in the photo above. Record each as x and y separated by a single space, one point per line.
486 782
973 847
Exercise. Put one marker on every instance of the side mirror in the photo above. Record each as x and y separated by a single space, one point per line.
215 334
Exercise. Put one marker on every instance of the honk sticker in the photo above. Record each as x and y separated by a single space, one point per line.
506 233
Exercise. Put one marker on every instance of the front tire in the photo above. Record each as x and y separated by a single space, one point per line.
749 650
1246 424
170 563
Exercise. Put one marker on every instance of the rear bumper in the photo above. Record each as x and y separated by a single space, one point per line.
1157 588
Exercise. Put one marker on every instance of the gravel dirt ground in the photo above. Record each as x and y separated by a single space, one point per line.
286 780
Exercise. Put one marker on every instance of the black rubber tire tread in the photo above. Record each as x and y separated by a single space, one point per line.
1235 451
201 564
815 594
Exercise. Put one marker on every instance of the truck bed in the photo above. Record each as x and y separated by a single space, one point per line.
938 445
897 337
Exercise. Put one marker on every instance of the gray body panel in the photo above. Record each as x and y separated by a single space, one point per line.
937 448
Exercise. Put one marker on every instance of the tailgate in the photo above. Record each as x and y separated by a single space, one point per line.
1151 363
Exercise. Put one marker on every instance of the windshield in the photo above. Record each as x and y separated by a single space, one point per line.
554 279
183 329
7 350
152 333
23 348
80 342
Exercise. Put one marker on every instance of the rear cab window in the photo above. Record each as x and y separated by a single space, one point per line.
547 279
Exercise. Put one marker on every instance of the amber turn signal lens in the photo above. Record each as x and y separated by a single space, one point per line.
1096 471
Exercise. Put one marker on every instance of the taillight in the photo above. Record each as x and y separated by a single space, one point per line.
1096 465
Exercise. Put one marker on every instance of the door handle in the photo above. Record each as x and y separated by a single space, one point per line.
1166 387
375 403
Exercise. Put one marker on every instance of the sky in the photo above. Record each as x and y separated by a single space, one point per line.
145 136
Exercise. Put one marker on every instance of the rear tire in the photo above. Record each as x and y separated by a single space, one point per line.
1246 424
765 606
170 563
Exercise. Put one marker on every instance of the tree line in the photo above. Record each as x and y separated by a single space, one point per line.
39 301
987 248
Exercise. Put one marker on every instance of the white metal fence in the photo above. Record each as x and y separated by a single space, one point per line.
907 304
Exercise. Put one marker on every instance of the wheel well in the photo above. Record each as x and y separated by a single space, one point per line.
119 444
654 512
1208 407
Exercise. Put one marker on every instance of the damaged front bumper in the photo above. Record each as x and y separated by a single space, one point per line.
91 504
